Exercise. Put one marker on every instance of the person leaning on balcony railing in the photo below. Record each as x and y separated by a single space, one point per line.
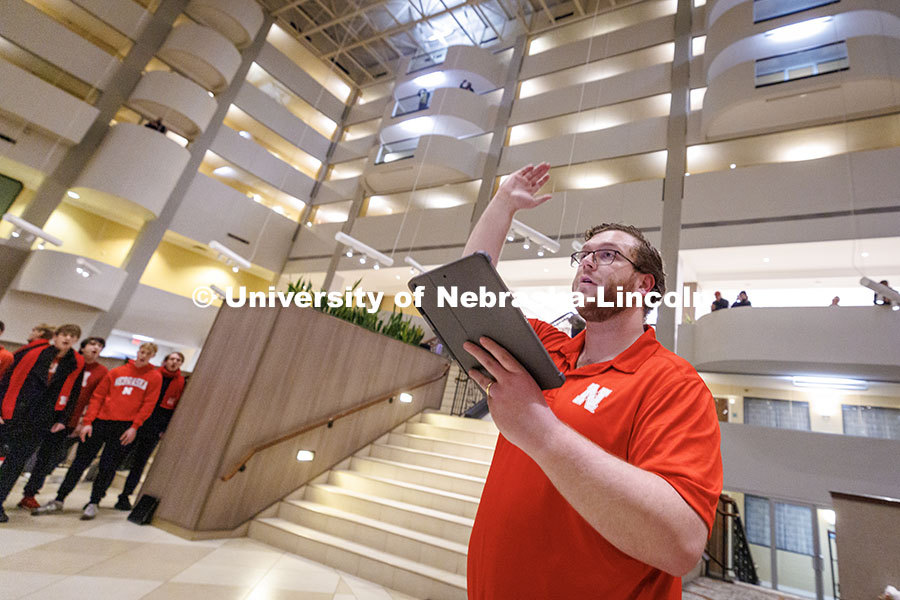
606 487
880 300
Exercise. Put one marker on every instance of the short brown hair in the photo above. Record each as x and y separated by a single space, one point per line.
46 330
151 346
180 355
69 328
646 258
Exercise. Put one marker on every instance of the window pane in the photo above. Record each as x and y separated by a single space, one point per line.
757 520
871 421
782 414
763 10
793 528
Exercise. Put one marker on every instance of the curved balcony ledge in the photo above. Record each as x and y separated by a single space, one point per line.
450 111
203 54
733 105
237 20
435 160
729 49
52 273
131 175
478 65
844 341
730 21
184 106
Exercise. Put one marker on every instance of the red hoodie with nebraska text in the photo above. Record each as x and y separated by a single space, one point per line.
127 393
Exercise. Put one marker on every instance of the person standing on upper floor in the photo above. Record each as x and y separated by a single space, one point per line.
152 430
880 300
836 301
35 393
55 446
123 400
719 303
742 300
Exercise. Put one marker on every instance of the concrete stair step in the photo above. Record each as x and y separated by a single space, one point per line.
403 491
426 520
432 460
461 423
396 572
388 537
434 478
454 435
461 450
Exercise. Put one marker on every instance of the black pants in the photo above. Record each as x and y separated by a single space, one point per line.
146 440
23 441
105 435
50 454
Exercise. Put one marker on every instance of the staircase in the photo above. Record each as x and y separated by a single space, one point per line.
399 512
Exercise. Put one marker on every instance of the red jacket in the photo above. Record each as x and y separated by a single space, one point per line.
93 375
125 394
172 395
6 359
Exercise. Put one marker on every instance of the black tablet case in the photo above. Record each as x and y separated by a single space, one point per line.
505 325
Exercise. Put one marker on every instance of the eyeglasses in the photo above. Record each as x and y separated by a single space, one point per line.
604 256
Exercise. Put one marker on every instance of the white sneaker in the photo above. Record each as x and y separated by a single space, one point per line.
52 507
90 511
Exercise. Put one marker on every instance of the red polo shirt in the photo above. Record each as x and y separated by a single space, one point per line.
648 407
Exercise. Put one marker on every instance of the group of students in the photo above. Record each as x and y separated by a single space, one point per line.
52 397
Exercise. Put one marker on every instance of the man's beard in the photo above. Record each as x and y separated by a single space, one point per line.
591 312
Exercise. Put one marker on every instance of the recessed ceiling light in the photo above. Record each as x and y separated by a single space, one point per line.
223 171
687 174
73 195
766 259
245 134
865 255
732 166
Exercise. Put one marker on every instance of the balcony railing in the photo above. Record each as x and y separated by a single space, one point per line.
413 103
803 64
423 61
763 10
397 150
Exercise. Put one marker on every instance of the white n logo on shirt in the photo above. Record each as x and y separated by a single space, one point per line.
126 391
591 397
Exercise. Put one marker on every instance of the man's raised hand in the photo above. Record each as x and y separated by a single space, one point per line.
519 188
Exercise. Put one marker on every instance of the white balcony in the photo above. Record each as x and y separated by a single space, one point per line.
42 105
237 20
131 174
477 65
740 102
59 275
203 54
184 106
853 341
211 210
166 316
426 161
443 111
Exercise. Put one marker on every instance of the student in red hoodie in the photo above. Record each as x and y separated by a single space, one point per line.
120 405
56 445
40 336
34 396
152 430
6 357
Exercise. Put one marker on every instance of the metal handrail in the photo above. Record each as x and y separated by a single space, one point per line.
329 421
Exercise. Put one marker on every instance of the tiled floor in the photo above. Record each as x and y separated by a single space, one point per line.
60 557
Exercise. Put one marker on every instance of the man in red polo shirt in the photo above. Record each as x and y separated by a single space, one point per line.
607 486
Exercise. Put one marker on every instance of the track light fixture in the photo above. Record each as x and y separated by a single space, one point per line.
85 268
532 235
415 265
369 251
229 255
29 231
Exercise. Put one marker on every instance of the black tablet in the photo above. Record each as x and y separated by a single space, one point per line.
465 300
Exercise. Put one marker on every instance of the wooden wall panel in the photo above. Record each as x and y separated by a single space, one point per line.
265 373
